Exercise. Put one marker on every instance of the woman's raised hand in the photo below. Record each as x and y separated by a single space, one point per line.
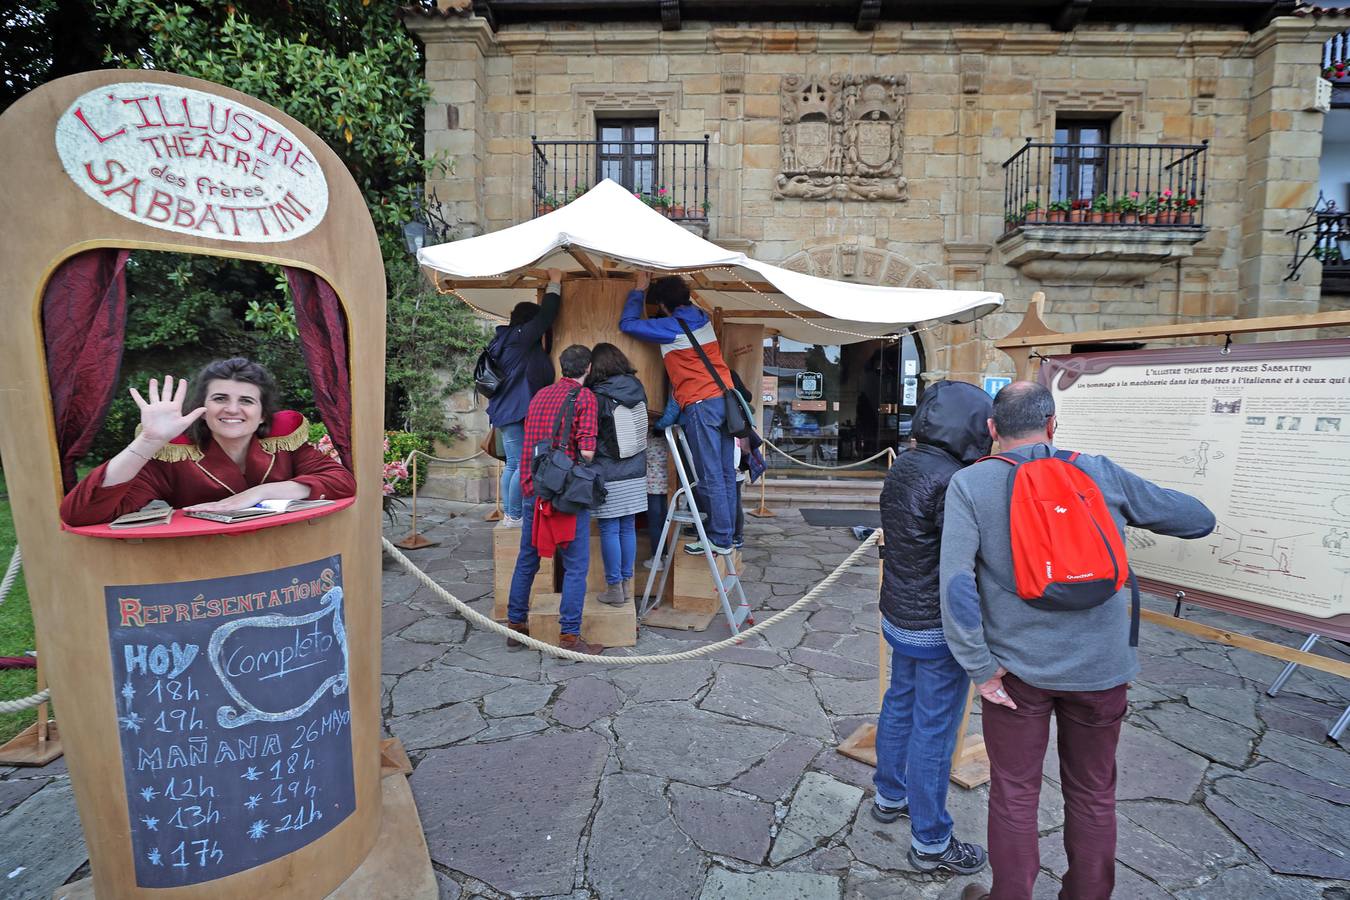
162 417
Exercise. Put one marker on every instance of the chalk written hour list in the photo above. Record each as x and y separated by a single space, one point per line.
233 711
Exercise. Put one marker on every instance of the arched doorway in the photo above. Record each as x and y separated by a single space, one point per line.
830 404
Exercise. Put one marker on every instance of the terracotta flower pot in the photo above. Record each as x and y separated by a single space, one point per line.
1056 215
1096 218
1111 218
677 211
1185 218
1129 218
1148 218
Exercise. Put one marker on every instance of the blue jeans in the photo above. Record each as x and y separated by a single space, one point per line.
714 455
513 439
916 734
618 546
575 558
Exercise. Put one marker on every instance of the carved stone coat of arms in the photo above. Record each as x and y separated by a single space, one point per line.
841 137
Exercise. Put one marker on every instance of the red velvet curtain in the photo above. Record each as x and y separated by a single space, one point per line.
323 341
84 317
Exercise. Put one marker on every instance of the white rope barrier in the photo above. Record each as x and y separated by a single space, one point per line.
479 619
13 706
801 462
439 459
11 573
6 584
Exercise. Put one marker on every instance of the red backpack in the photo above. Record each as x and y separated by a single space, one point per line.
1066 550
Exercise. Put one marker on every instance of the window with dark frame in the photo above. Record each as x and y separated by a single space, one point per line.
626 152
1078 168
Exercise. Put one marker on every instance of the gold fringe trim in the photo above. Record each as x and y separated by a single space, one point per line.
293 441
173 453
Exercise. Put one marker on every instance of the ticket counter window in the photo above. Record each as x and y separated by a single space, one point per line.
113 320
829 404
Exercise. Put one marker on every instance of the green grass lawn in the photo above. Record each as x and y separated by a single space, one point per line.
16 630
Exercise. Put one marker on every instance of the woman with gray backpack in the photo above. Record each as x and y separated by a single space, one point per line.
621 459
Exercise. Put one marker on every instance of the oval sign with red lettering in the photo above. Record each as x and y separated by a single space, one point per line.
192 162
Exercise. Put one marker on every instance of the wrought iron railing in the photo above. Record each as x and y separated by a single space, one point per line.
1136 185
669 176
1331 243
1336 58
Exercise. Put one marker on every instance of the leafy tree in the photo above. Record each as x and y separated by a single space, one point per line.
351 73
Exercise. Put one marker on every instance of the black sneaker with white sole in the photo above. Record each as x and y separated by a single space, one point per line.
888 814
959 857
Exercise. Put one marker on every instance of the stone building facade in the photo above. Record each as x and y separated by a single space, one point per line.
879 155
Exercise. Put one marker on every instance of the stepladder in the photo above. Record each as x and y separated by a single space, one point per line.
682 511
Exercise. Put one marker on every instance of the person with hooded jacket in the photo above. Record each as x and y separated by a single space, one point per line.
921 711
621 459
518 350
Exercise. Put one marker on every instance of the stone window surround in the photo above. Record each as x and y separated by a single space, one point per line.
661 99
1126 103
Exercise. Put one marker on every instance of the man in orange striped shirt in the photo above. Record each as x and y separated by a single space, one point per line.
702 411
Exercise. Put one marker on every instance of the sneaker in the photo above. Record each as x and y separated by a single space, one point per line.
959 857
512 521
696 549
650 563
889 814
737 543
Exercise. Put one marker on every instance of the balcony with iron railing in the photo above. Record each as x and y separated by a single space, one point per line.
1136 185
1336 68
1106 213
1326 238
669 176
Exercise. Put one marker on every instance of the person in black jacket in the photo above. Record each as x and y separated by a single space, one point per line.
519 352
920 714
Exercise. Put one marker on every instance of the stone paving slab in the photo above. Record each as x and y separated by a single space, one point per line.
719 778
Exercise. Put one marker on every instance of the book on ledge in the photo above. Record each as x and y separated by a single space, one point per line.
156 512
265 508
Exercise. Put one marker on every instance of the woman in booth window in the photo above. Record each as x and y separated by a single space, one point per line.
621 457
233 450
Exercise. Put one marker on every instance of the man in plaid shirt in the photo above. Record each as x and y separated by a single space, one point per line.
576 554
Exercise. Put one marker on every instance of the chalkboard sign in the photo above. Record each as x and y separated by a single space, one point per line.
233 712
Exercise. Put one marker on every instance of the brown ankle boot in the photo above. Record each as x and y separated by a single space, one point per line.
628 589
575 643
522 628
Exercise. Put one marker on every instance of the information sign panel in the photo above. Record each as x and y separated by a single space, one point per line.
1262 436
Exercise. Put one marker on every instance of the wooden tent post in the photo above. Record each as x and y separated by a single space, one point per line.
412 540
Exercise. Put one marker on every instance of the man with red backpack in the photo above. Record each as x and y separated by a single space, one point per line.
1038 607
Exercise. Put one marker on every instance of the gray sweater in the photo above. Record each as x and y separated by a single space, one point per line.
987 625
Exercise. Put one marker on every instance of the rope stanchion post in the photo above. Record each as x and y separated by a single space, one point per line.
39 743
495 515
763 512
412 540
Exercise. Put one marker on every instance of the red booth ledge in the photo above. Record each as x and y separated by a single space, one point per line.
184 525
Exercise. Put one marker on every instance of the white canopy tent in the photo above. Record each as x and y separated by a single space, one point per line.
609 230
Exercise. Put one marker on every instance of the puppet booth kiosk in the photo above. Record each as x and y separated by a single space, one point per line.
599 241
208 759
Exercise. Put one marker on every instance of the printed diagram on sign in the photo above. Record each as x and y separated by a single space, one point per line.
1255 552
1200 456
1139 539
1337 540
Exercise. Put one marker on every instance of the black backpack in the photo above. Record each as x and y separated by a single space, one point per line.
571 485
487 372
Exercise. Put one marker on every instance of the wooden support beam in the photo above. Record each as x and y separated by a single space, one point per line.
1026 335
586 262
1247 642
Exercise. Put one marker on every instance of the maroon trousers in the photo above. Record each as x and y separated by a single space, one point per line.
1089 727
